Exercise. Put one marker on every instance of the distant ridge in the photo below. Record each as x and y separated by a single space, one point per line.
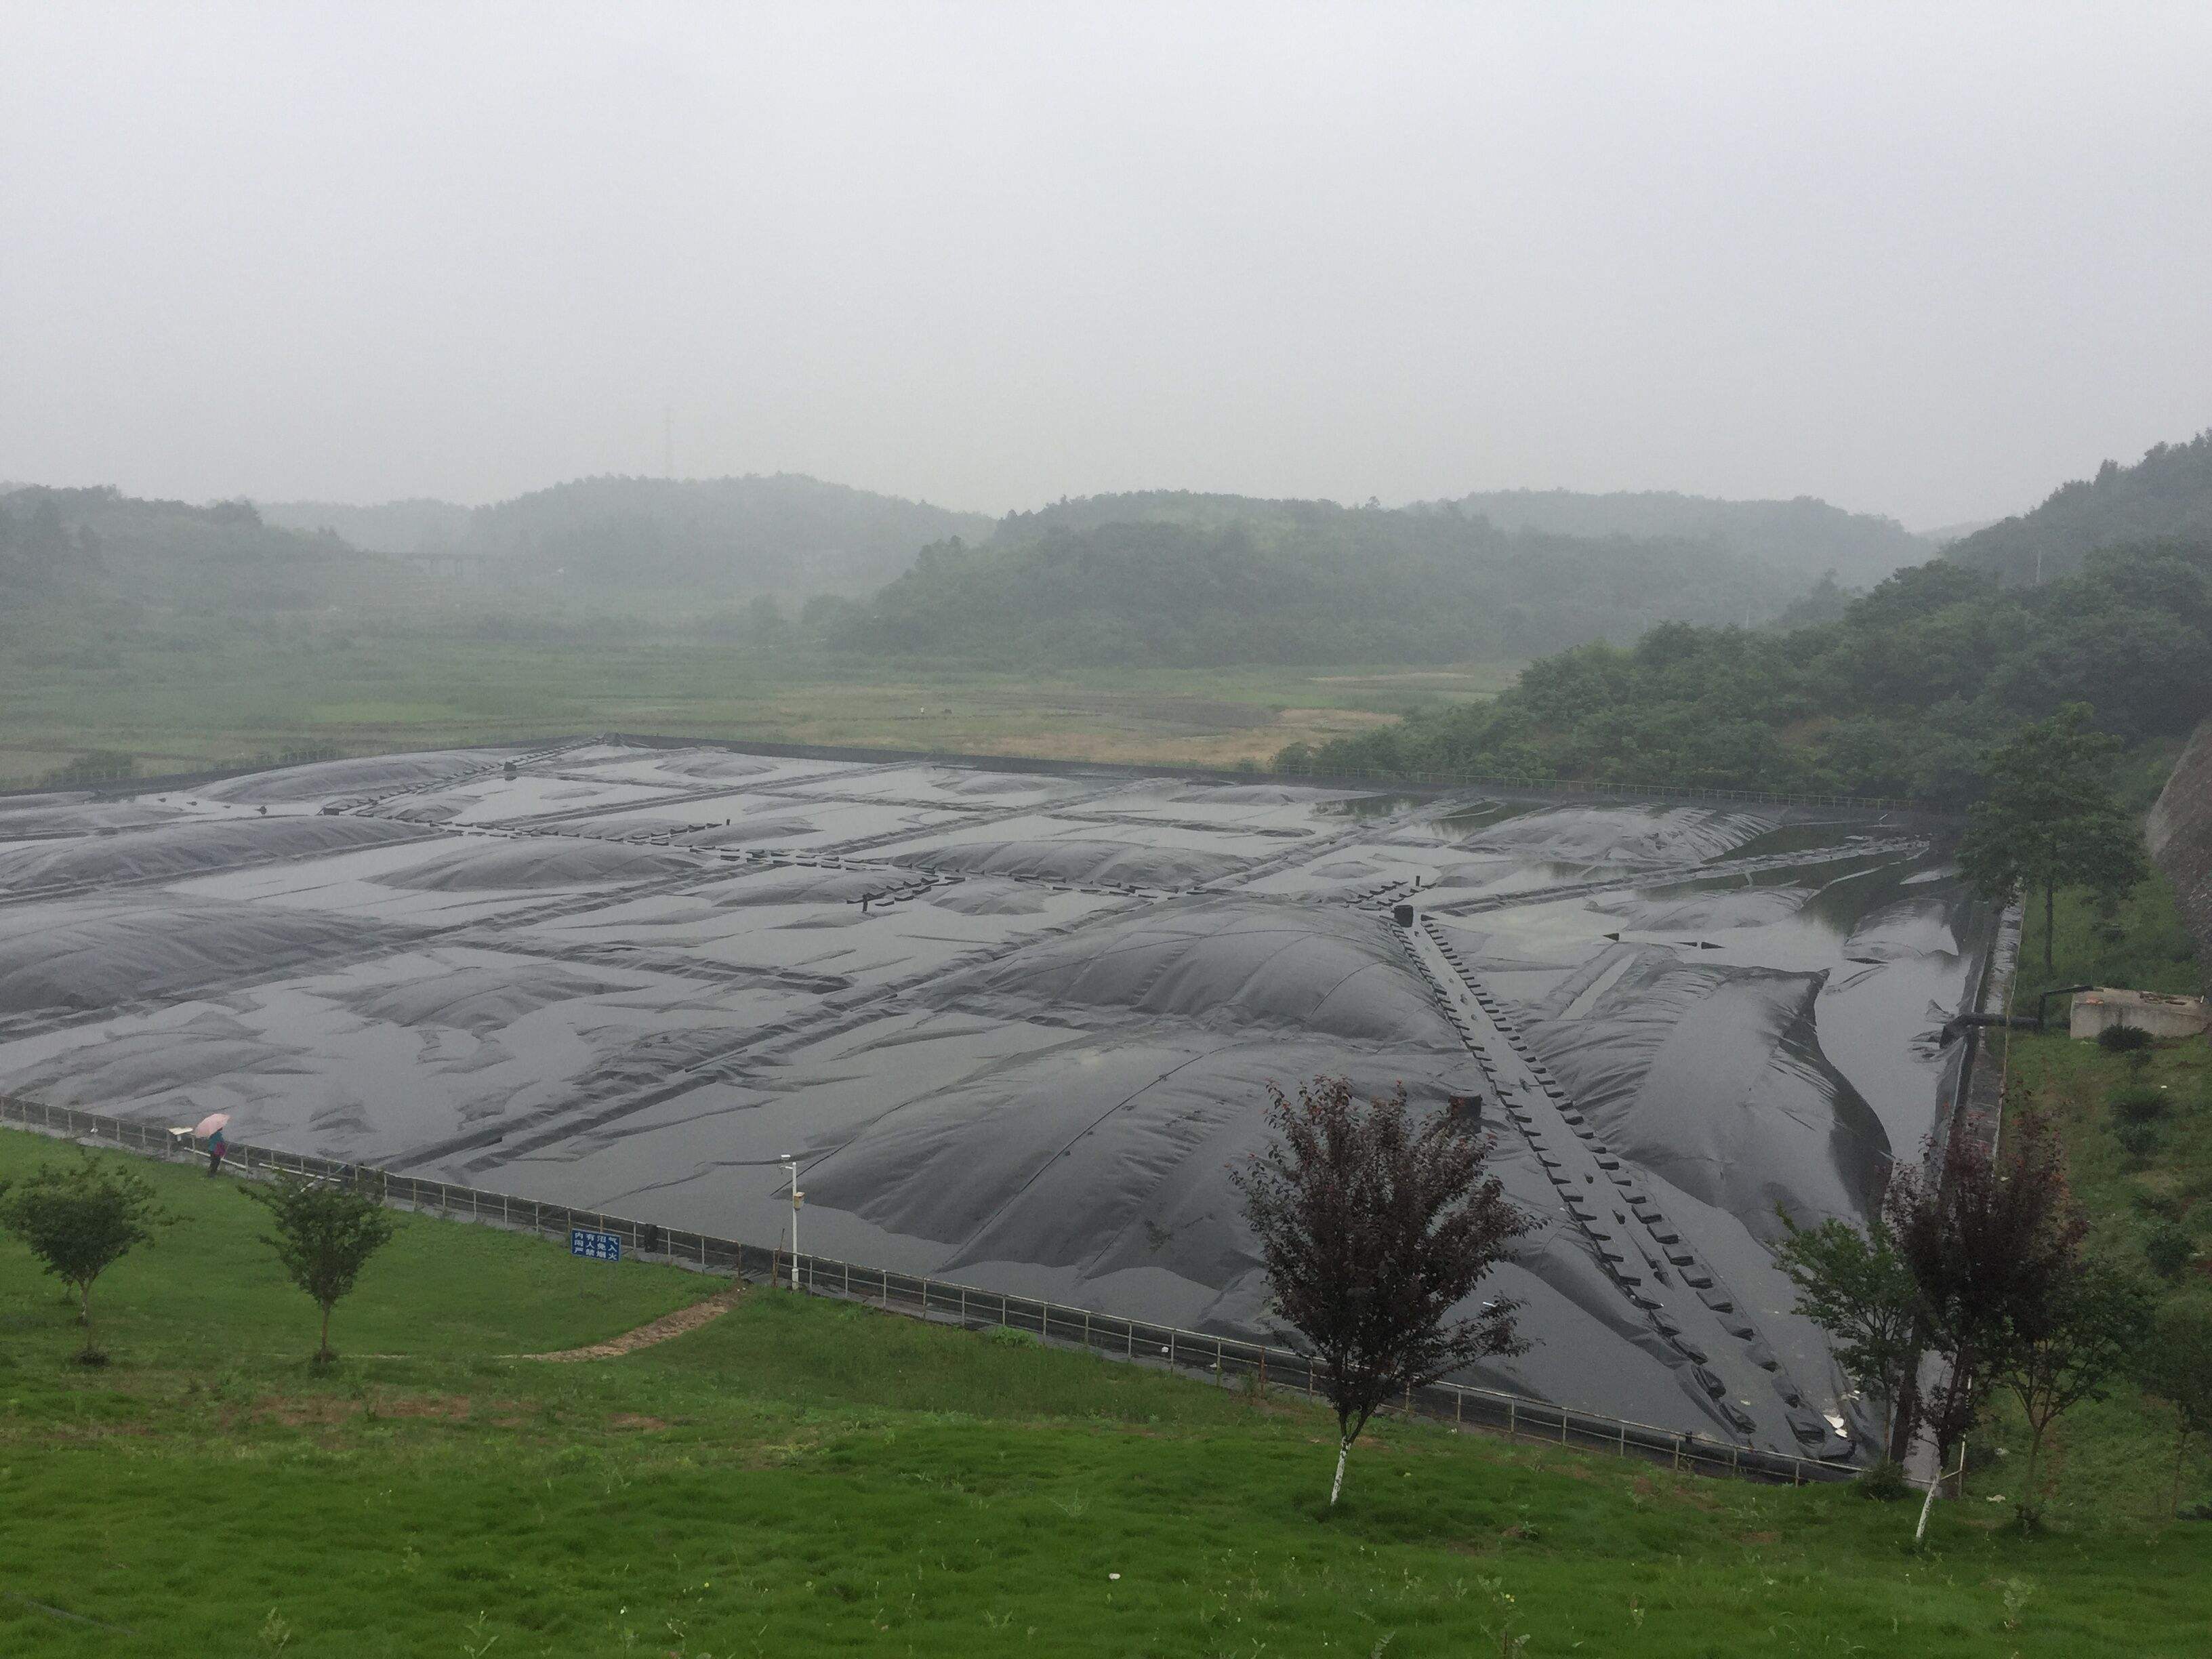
698 535
2166 496
1804 537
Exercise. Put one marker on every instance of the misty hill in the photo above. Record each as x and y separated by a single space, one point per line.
611 537
2167 494
1900 694
1805 536
76 545
1180 579
419 526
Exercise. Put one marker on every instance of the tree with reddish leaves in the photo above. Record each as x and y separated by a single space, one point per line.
1374 1227
1992 1242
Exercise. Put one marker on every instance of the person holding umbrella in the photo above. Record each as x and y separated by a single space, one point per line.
211 1127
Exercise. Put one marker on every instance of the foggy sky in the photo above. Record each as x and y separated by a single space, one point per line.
1920 260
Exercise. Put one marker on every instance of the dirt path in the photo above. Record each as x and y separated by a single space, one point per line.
660 1330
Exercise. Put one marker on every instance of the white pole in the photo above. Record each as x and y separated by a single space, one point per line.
791 1168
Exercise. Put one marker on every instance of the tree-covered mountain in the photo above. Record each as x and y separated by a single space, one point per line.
2166 494
1805 536
1901 695
93 546
1173 578
706 538
418 526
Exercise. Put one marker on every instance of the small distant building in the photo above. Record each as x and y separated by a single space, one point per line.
2147 1011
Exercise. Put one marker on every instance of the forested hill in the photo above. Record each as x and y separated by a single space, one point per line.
1804 536
1901 695
2166 494
1208 580
418 526
79 547
702 537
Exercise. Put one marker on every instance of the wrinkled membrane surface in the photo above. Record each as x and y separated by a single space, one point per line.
1019 1028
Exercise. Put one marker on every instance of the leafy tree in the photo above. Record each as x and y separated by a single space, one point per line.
80 1220
2175 1366
2048 820
1855 1285
2065 1347
1373 1229
325 1236
1989 1241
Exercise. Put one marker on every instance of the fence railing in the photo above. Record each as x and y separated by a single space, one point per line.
1113 1335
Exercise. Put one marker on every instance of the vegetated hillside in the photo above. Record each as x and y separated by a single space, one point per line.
1901 695
1805 536
1190 579
709 536
411 526
2168 493
64 547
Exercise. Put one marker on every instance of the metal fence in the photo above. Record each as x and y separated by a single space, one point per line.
1227 1358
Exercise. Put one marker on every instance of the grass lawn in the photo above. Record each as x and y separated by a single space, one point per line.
801 1477
2117 1453
183 695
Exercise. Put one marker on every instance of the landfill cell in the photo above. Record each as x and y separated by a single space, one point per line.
1020 1026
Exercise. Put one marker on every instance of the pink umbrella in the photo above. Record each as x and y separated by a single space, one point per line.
208 1125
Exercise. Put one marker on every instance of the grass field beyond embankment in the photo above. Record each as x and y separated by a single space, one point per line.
803 1477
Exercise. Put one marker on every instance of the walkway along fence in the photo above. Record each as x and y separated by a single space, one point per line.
1108 1335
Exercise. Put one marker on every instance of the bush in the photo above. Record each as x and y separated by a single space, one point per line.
1012 1336
2138 1102
1885 1483
2137 1139
2122 1039
2169 1248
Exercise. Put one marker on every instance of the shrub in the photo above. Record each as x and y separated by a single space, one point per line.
1885 1483
2138 1102
2169 1248
2122 1039
2137 1139
1013 1336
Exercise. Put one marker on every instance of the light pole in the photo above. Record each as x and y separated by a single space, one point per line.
791 1168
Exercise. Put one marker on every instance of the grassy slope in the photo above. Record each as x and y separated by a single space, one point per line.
2116 1454
187 697
801 1477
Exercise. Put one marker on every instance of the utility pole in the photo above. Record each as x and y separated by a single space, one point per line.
791 1168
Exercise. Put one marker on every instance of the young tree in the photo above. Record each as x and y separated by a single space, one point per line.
1988 1240
1855 1285
2175 1366
2048 820
2063 1350
1374 1228
80 1220
325 1236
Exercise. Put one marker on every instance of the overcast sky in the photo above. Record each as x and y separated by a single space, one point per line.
1916 259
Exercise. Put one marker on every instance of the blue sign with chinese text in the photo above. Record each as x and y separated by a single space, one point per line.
600 1247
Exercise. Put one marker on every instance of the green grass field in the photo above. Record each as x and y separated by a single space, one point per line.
803 1477
181 697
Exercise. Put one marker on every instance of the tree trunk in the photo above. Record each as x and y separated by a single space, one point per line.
1343 1450
2028 1492
2180 1451
84 1312
324 1352
2050 904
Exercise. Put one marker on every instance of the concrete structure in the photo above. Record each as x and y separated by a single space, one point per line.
2147 1011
